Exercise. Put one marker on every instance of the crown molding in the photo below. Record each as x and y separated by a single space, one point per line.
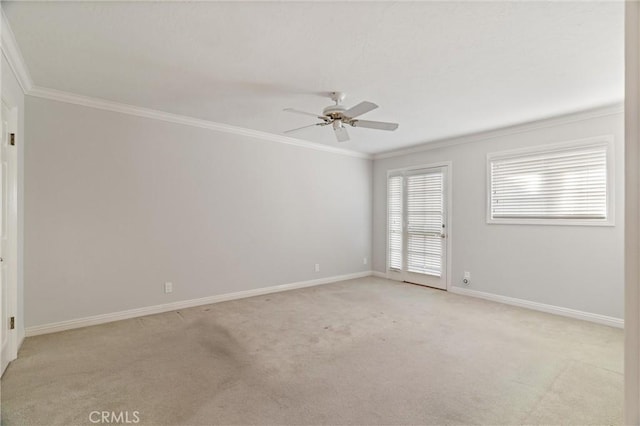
12 53
14 57
558 120
91 102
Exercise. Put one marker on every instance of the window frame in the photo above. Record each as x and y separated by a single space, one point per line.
603 140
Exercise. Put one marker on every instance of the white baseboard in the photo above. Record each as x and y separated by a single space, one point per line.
551 309
21 338
150 310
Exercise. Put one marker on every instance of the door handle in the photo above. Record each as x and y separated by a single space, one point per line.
431 234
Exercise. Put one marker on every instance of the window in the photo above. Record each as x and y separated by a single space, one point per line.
561 184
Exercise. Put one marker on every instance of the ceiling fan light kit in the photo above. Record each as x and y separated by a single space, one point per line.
337 115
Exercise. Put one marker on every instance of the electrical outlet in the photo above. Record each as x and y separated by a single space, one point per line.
317 267
466 280
168 287
364 261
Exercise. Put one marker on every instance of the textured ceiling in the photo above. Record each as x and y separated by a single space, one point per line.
439 69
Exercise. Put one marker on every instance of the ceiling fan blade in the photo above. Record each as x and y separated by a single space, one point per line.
380 125
296 111
341 133
361 108
303 127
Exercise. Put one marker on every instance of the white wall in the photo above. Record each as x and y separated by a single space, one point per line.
116 205
12 93
575 267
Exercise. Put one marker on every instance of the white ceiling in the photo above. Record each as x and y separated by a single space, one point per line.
440 69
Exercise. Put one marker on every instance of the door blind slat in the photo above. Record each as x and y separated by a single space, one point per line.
394 205
424 223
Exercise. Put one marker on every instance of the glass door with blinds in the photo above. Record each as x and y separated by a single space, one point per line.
417 227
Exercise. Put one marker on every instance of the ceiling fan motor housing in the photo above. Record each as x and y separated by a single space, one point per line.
334 111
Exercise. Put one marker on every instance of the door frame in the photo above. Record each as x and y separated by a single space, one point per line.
448 176
12 229
632 220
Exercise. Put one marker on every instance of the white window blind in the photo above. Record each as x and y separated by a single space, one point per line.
416 199
560 184
424 223
394 203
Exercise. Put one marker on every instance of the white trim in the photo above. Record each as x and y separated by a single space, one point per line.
559 120
542 307
10 352
552 147
57 95
603 140
150 310
379 274
632 215
449 231
419 167
12 53
15 59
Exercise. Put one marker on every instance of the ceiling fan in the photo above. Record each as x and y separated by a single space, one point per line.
337 116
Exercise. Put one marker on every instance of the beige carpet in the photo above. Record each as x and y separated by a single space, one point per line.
366 351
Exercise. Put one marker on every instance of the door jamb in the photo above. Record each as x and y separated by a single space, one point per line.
632 207
12 256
